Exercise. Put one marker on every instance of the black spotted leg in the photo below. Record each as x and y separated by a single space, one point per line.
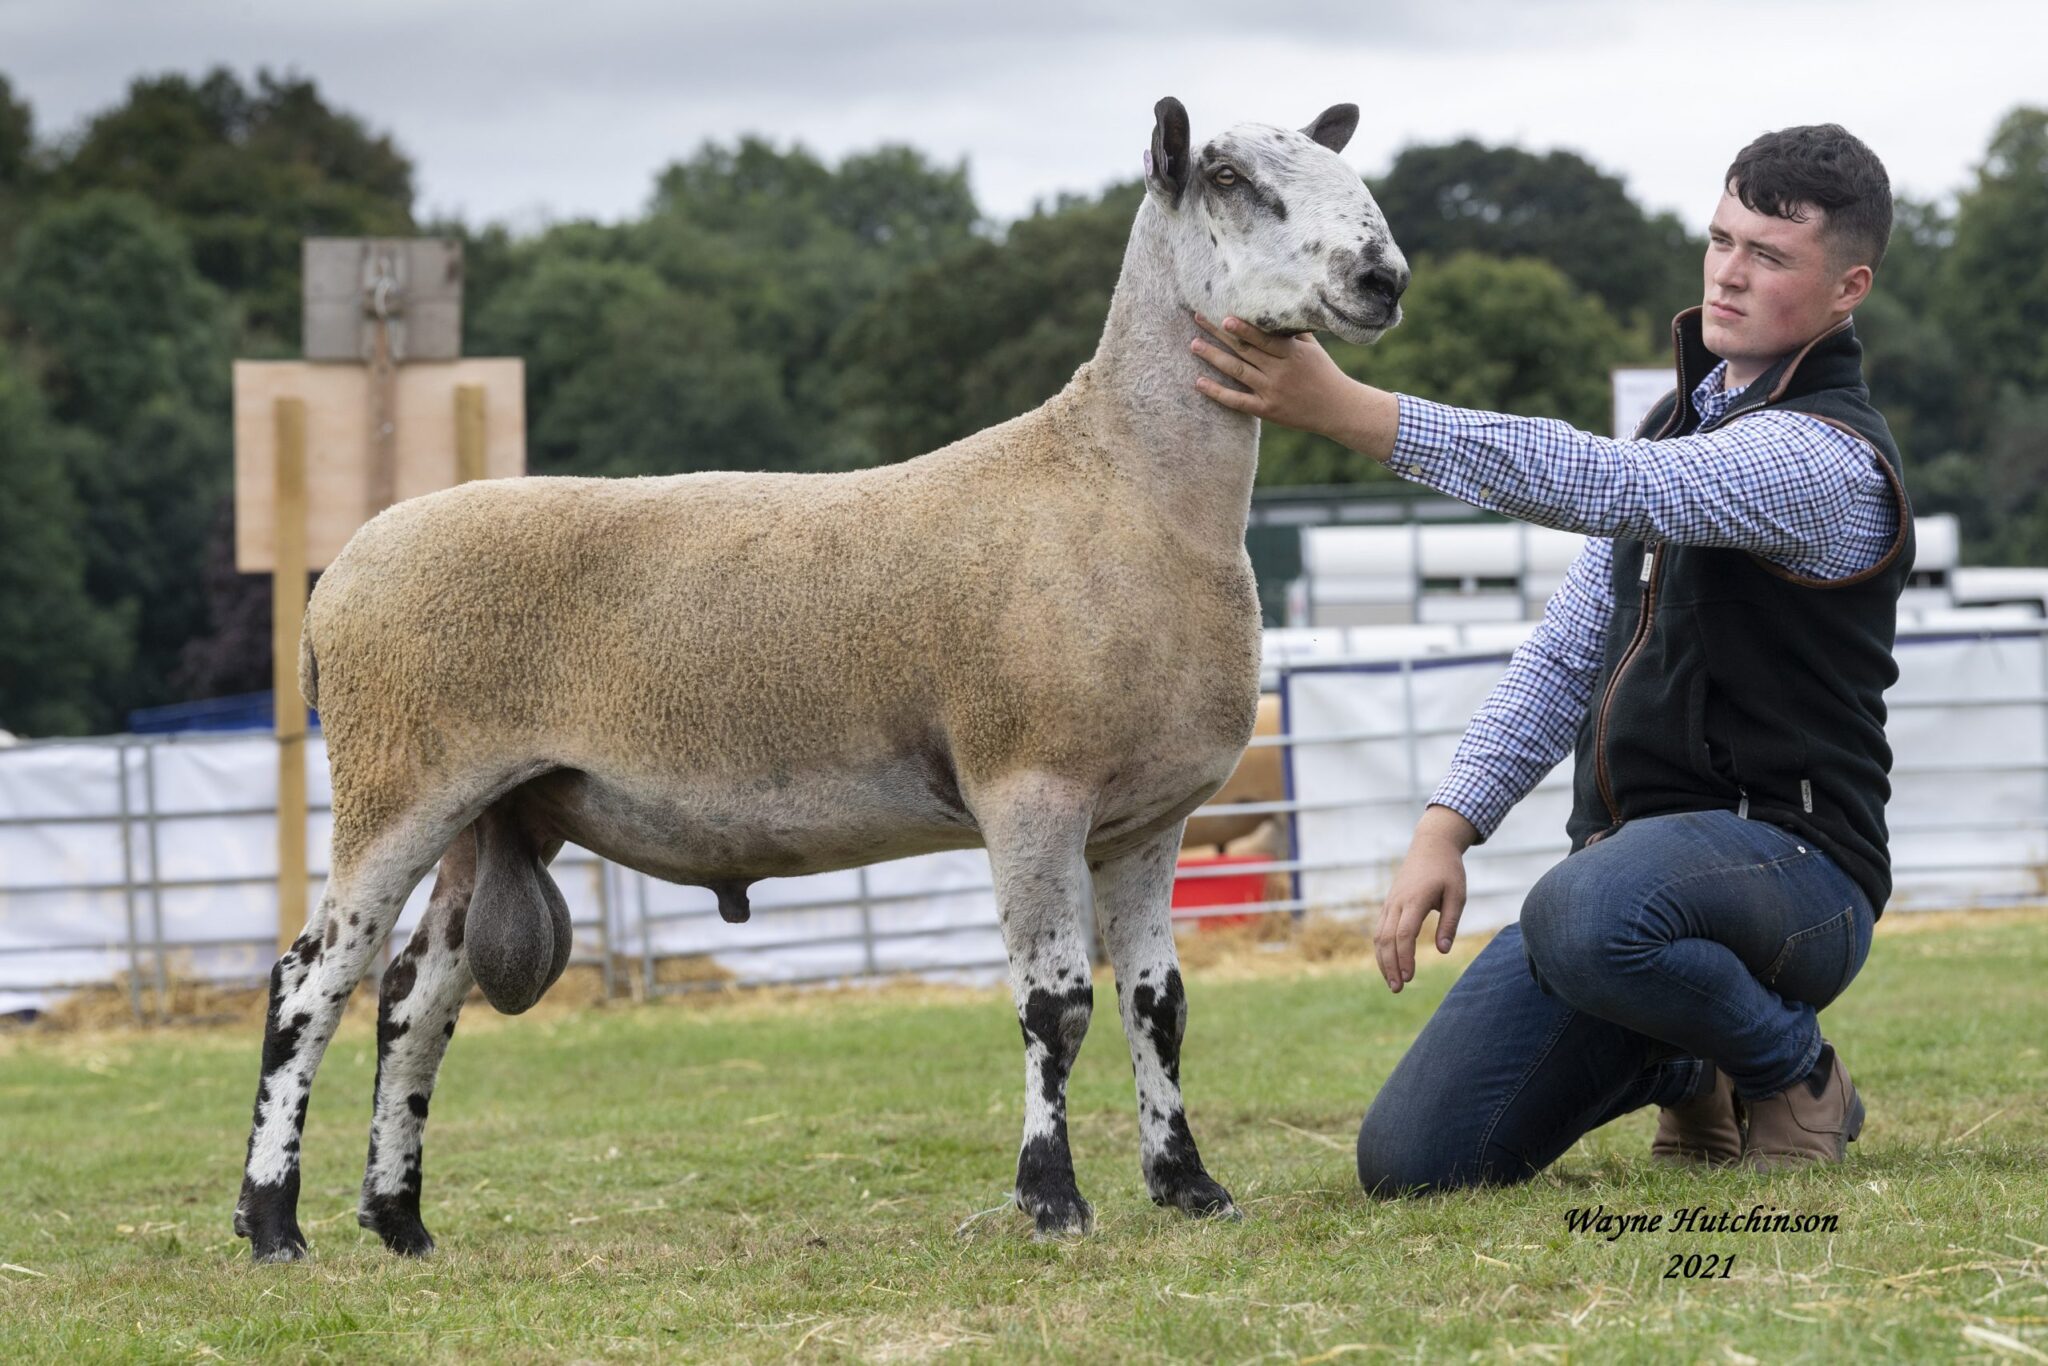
1133 907
1035 829
309 986
422 994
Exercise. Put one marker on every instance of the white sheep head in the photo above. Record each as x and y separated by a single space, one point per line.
1272 226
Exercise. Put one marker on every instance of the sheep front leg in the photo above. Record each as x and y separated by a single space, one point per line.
422 995
1035 831
1133 906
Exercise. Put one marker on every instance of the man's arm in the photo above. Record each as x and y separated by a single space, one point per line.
1531 718
1790 488
1784 486
1527 723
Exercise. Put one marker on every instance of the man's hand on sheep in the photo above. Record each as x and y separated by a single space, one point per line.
1293 381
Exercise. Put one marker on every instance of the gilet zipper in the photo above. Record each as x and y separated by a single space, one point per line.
1653 566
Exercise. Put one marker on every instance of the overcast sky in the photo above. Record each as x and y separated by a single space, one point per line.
523 112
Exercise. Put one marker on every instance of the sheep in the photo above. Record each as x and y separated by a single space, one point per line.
1042 639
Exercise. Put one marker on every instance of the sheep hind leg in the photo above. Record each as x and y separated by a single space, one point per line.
1133 905
309 986
422 995
1035 831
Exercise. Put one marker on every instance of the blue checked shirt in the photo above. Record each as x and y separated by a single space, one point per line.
1787 487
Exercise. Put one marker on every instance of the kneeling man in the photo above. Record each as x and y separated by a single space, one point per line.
1717 657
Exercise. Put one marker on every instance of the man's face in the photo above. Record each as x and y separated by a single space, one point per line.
1770 287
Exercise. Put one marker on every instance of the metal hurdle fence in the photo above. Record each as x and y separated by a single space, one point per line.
620 907
145 951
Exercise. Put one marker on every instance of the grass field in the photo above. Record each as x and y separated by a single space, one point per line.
776 1179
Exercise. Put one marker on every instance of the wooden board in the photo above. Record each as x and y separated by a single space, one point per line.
337 442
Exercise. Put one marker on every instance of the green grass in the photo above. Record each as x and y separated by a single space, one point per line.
771 1180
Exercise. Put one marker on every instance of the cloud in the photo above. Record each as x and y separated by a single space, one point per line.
519 110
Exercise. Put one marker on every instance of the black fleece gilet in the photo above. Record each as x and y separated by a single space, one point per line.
1731 683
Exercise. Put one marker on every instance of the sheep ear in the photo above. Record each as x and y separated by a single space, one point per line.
1166 164
1334 126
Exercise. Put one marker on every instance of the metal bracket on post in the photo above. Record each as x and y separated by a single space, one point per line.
383 303
384 309
288 609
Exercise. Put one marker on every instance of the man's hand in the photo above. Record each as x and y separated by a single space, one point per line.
1293 381
1432 878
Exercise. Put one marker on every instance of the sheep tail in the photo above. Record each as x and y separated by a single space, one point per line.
517 936
309 667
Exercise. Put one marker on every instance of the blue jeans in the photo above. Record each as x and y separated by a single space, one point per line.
1675 941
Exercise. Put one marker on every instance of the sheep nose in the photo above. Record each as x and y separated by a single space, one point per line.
1383 284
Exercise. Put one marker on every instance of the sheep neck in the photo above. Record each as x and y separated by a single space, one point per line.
1193 458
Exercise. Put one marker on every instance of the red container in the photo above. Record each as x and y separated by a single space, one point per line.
1235 889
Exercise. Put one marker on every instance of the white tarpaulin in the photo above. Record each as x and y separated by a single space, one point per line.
190 889
196 875
1968 811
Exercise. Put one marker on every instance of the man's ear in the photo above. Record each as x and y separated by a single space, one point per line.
1166 163
1855 286
1334 126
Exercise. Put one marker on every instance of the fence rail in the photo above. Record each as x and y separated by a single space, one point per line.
620 906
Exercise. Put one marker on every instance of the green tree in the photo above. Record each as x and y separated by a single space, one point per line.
1557 206
2014 460
246 174
794 249
17 139
895 200
18 170
1916 378
981 336
670 389
1954 482
626 376
105 296
149 500
699 336
132 350
58 647
553 309
1996 273
1912 272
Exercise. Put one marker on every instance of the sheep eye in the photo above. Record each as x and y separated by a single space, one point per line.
1225 177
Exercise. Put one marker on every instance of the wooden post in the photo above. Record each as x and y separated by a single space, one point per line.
287 613
383 462
469 432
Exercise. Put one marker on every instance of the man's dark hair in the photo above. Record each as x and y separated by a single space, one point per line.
1828 167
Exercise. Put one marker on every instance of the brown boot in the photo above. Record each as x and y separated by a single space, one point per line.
1701 1132
1814 1120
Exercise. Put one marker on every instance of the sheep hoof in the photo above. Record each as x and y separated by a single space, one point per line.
267 1217
277 1254
396 1221
1199 1197
1058 1217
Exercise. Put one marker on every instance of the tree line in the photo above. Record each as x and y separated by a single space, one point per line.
770 310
